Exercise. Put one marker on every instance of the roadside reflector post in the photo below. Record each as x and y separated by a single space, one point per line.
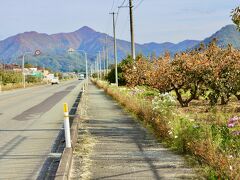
66 126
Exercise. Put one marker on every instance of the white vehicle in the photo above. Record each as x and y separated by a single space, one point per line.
55 80
81 77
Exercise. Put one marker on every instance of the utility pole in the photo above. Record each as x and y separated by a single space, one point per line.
86 63
91 70
106 52
115 48
104 62
107 59
132 30
95 68
23 73
97 64
100 64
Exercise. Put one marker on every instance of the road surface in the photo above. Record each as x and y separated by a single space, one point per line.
30 120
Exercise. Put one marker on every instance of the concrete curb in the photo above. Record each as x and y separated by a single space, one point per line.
63 171
65 165
74 131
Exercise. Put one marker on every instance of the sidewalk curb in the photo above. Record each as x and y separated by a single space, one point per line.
64 167
63 171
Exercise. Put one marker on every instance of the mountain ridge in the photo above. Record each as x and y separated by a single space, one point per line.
91 41
77 39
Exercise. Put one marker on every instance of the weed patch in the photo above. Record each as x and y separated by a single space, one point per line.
211 141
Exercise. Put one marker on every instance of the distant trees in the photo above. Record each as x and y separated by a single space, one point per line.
28 65
121 70
209 72
10 77
32 79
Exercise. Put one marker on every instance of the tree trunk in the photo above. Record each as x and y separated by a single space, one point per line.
185 103
179 98
224 100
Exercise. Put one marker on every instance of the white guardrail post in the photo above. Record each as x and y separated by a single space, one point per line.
67 126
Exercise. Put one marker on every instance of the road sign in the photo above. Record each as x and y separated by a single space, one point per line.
37 53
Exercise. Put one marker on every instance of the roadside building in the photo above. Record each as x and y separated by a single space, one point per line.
10 67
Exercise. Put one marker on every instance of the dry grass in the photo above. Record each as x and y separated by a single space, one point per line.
198 142
84 146
82 152
8 87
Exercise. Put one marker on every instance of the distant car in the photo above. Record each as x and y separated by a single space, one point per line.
55 80
81 77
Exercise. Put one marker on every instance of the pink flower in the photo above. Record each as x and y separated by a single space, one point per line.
236 133
231 125
234 119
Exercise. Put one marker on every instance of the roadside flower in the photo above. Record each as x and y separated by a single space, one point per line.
236 133
135 91
234 125
234 119
195 126
163 103
231 125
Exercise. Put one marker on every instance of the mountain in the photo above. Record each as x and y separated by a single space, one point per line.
54 47
85 39
226 35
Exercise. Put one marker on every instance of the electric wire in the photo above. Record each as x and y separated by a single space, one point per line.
119 10
113 5
139 4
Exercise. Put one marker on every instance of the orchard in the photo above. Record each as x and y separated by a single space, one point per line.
210 73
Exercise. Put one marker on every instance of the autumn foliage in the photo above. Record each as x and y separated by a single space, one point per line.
209 72
236 16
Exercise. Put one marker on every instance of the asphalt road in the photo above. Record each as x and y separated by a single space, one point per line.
30 120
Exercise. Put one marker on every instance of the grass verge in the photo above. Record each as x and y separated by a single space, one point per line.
12 86
213 145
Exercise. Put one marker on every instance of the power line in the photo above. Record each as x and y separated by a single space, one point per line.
107 23
116 5
140 2
123 3
124 26
113 5
119 9
130 6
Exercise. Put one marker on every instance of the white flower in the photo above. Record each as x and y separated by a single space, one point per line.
175 137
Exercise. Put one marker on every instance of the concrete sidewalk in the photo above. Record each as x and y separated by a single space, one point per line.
112 145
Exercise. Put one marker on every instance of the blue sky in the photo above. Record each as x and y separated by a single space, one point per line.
155 20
